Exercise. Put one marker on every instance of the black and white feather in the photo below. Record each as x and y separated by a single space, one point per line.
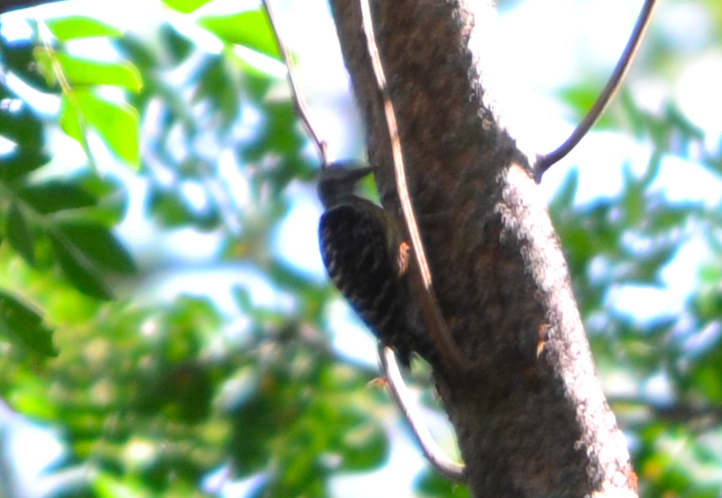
366 258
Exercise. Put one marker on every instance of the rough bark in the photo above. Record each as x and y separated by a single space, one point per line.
531 418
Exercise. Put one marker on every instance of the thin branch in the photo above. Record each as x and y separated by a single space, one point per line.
546 161
448 351
400 392
295 88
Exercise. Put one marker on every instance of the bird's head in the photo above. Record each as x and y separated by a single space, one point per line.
337 182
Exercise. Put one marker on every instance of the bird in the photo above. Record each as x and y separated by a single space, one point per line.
367 258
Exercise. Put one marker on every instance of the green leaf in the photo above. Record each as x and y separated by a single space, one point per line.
174 210
185 6
20 162
582 96
99 246
78 269
24 327
116 123
169 209
433 485
18 57
564 198
87 72
45 57
648 266
20 234
706 379
250 29
108 486
113 199
54 196
72 121
218 83
20 124
71 28
365 447
177 44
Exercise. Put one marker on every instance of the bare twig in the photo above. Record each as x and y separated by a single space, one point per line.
449 353
433 453
544 162
295 89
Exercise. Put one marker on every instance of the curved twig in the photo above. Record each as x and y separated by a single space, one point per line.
400 392
449 353
544 162
295 89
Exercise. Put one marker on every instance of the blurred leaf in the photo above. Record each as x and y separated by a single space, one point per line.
648 267
636 118
141 52
107 486
20 162
185 6
564 198
98 246
116 123
219 84
582 96
18 56
71 28
688 131
25 327
112 199
84 72
78 269
45 60
176 43
31 396
173 210
19 123
20 234
707 304
54 196
366 446
706 380
250 29
434 486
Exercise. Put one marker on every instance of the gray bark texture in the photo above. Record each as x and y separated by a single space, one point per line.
530 416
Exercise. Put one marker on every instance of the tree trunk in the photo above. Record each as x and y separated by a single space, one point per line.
530 418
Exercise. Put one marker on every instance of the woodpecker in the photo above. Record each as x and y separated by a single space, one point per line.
367 259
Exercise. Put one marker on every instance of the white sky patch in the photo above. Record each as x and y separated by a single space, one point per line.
658 388
687 24
296 239
405 461
21 440
699 97
644 302
190 245
687 181
349 336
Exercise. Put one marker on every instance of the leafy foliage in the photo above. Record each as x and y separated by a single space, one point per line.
160 396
